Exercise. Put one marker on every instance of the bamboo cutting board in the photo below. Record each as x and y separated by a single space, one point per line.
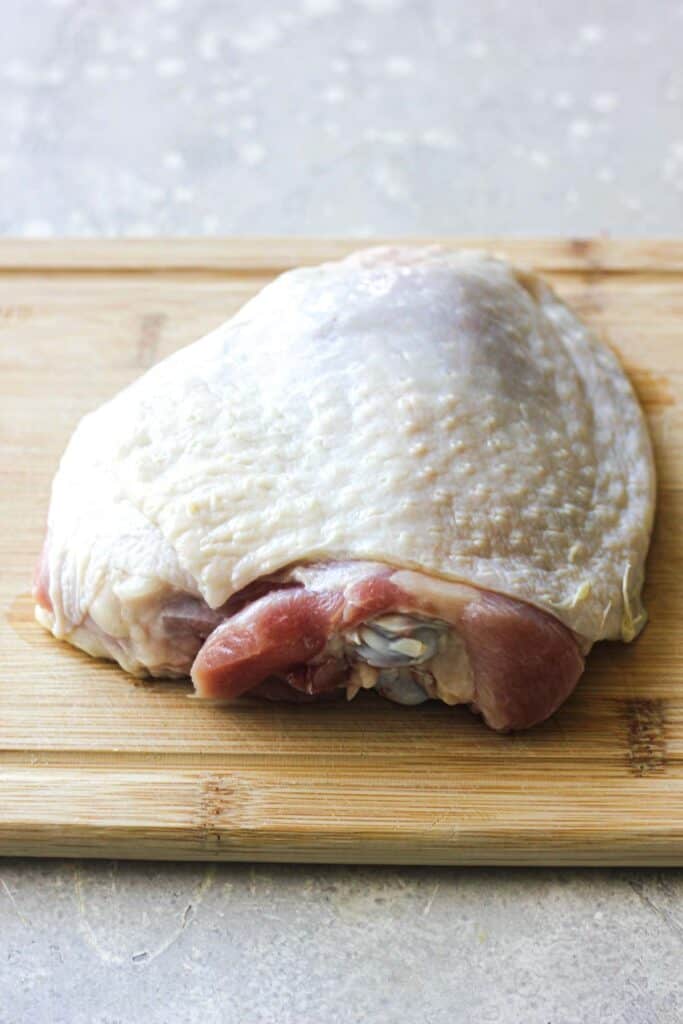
94 763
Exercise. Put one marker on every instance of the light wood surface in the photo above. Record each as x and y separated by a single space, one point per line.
95 763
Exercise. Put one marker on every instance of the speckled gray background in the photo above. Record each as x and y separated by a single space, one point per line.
341 116
334 116
109 944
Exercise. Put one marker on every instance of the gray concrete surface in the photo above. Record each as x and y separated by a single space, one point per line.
333 116
106 943
341 116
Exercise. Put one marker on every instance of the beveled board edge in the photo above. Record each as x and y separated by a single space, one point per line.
263 255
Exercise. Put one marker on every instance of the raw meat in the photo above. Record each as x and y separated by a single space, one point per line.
513 663
413 470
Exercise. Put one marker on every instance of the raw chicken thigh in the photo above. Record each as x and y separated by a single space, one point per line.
413 470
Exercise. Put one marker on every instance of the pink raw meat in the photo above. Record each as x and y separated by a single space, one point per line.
524 662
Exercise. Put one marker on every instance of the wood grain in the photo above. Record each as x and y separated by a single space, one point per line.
95 763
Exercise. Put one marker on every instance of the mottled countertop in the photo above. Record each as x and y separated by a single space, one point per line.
353 117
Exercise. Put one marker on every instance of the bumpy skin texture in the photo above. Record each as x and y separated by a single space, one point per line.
426 409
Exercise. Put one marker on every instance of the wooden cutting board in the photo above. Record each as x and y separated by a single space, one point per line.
94 763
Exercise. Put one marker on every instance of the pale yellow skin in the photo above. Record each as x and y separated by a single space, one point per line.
433 410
